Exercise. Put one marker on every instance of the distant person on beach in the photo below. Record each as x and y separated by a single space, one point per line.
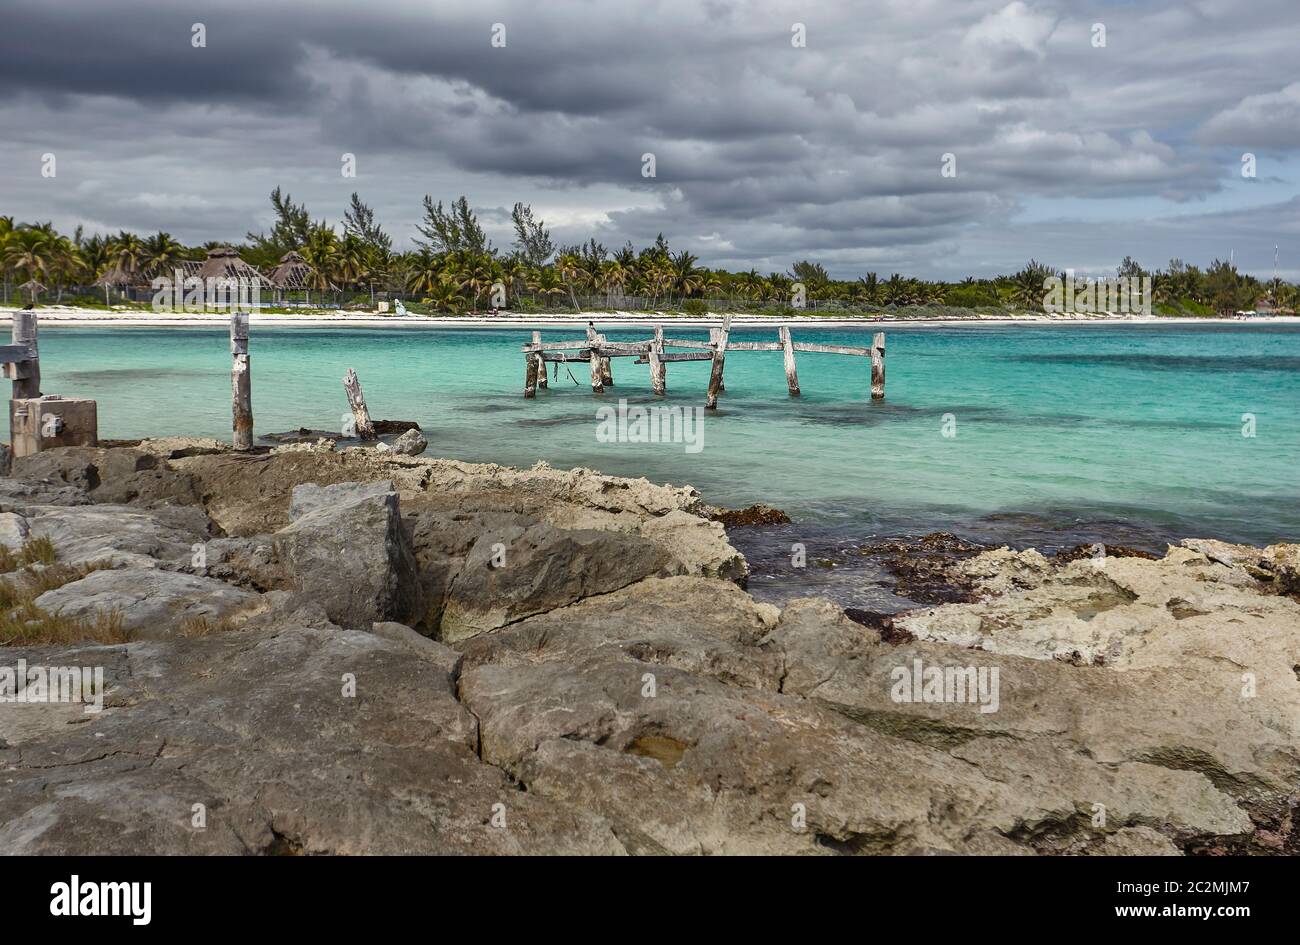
400 309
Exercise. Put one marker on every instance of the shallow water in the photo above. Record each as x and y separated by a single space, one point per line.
1064 434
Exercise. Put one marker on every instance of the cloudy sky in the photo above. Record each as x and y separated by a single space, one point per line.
765 152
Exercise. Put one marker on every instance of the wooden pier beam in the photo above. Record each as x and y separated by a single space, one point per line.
241 383
791 375
541 365
658 369
597 373
26 374
357 401
719 357
878 366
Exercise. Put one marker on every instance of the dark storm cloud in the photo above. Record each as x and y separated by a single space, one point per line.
764 152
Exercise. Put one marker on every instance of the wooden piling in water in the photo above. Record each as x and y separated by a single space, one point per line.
606 369
791 375
599 352
597 373
541 365
241 383
719 357
878 366
658 369
26 373
530 374
713 340
365 428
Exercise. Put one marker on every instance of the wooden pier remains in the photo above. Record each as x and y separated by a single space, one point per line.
40 421
241 383
597 352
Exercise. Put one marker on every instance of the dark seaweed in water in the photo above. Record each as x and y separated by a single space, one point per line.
881 623
754 515
922 566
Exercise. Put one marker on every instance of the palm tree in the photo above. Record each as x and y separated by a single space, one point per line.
1027 289
321 253
869 288
65 263
423 269
686 276
478 271
549 283
445 295
6 233
128 252
161 254
569 264
894 290
353 260
30 252
613 277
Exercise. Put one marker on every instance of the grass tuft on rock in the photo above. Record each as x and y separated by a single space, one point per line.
28 575
33 551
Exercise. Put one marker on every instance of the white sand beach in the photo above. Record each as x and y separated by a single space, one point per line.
125 317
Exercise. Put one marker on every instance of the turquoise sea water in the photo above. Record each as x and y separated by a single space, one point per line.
1063 433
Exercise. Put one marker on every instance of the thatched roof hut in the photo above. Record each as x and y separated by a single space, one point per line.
32 286
293 272
224 263
117 277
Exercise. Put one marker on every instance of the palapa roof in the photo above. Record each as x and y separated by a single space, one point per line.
31 285
118 276
224 263
292 273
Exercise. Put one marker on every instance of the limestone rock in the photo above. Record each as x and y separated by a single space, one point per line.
153 603
699 545
346 549
112 475
410 443
257 727
1284 562
13 530
521 570
119 535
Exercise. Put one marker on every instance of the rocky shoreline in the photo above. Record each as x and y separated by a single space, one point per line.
324 651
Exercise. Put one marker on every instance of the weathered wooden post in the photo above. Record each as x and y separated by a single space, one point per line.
787 347
541 365
878 366
26 373
241 382
713 340
606 371
530 374
357 401
597 374
719 356
658 368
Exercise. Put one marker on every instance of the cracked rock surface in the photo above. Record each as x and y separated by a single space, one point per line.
470 659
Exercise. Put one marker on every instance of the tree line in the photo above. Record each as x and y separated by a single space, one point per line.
454 267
